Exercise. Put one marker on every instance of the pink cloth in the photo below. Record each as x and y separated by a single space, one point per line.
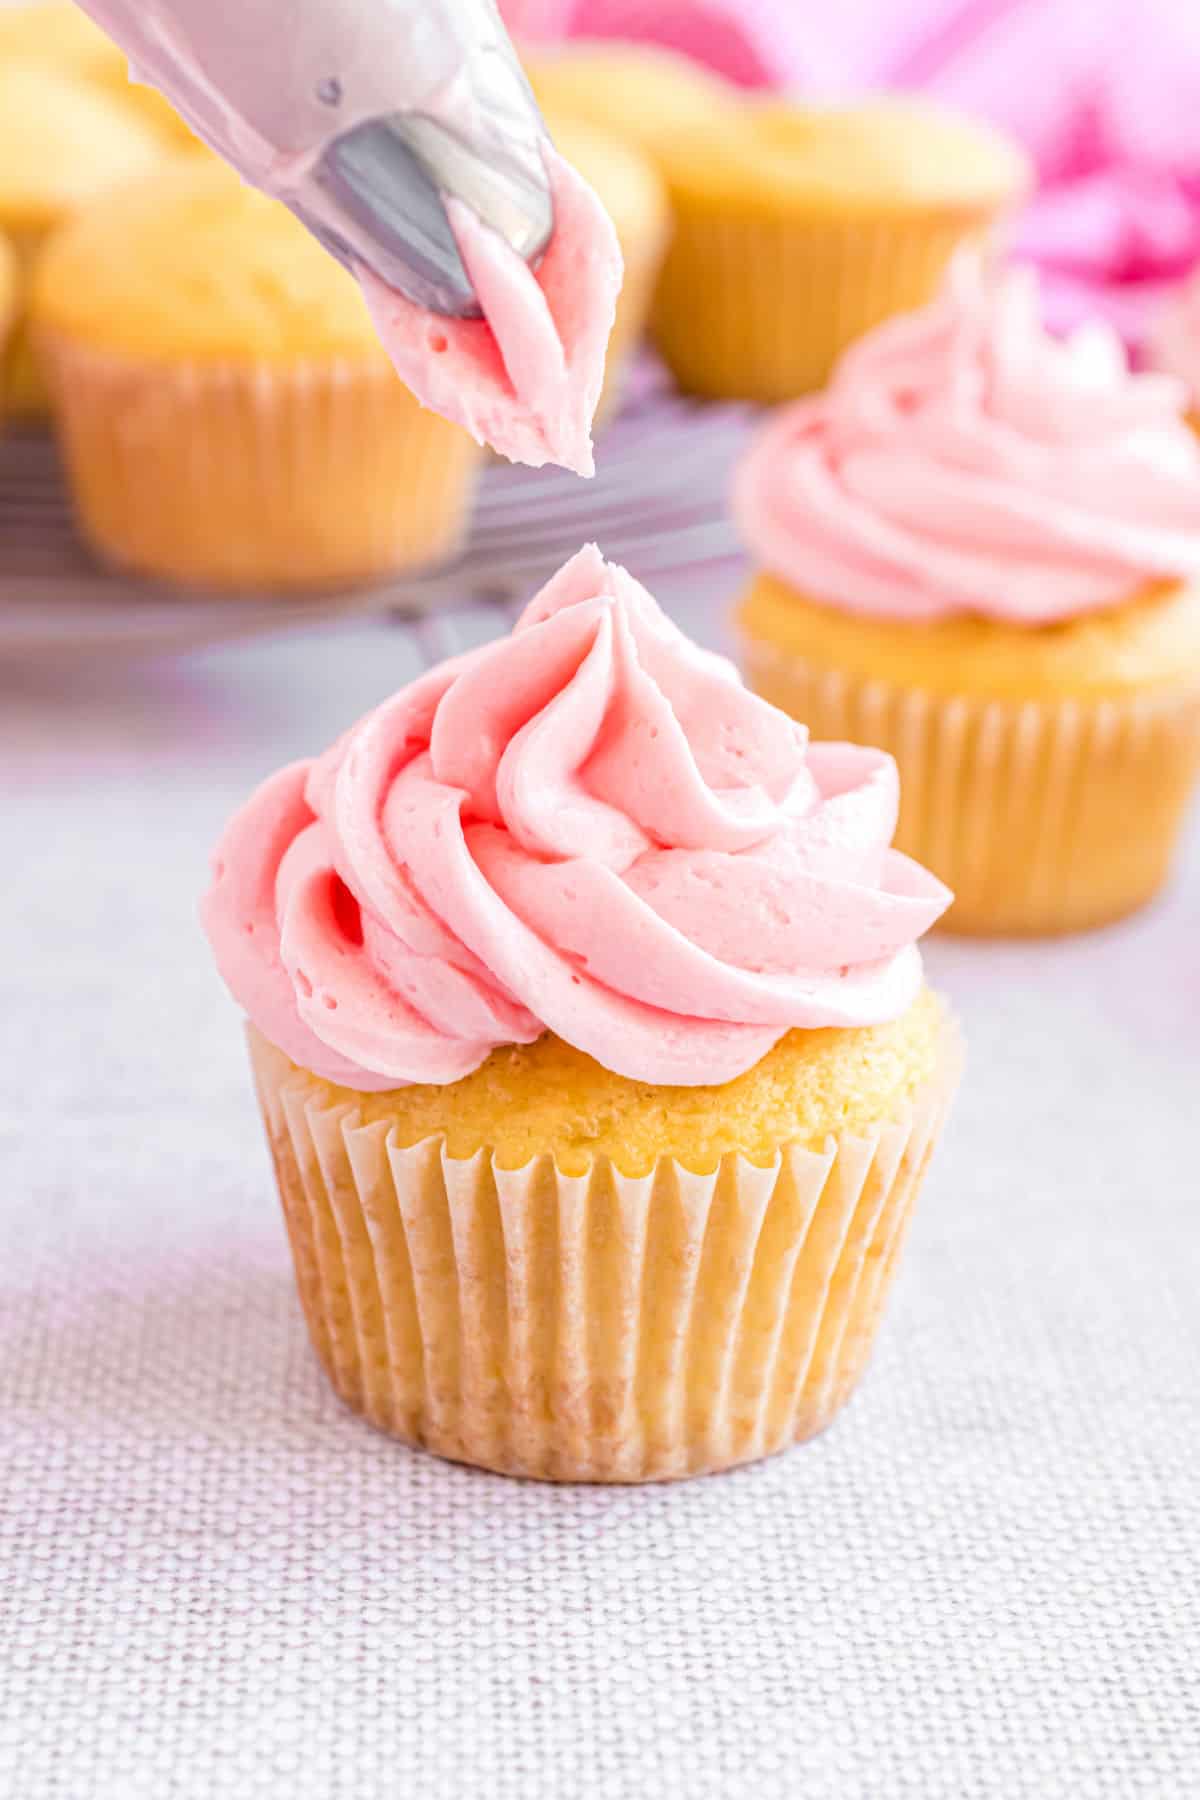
1105 94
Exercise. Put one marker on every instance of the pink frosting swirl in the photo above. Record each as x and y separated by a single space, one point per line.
589 827
964 461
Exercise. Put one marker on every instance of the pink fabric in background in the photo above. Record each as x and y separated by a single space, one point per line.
1104 93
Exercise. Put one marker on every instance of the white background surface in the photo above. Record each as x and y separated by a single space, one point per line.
985 1581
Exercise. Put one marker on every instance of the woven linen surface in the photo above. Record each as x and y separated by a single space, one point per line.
216 1583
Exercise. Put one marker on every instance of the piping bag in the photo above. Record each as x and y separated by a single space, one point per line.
404 135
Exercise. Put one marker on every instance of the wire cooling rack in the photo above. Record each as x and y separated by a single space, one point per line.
658 504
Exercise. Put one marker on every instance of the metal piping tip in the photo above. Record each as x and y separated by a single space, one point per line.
378 194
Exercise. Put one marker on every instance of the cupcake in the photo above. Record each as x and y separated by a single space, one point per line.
592 1046
62 143
799 228
632 193
979 550
57 35
229 418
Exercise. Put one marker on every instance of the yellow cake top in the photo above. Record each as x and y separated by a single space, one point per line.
641 95
1152 642
868 159
547 1098
56 34
190 263
61 143
626 181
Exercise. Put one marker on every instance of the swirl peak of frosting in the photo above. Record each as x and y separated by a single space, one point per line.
964 461
589 827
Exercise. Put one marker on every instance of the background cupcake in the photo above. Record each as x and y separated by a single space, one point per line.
798 228
980 551
636 92
62 143
638 1216
228 416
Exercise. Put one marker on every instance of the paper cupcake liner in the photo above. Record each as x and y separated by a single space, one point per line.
23 392
249 478
760 308
598 1327
1043 816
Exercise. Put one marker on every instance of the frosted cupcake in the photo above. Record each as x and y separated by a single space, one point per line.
979 550
593 1048
229 418
62 143
799 228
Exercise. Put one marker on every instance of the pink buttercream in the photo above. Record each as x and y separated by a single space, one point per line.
962 460
590 828
526 377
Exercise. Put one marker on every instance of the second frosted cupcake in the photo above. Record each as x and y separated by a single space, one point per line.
228 415
979 550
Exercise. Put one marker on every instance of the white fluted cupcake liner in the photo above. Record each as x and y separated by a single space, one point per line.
598 1327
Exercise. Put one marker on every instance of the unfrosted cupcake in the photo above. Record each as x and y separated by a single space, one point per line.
593 1048
798 228
979 550
62 143
633 195
228 415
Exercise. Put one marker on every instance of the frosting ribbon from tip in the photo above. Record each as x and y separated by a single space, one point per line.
526 377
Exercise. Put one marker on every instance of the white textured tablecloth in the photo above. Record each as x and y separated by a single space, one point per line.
217 1585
